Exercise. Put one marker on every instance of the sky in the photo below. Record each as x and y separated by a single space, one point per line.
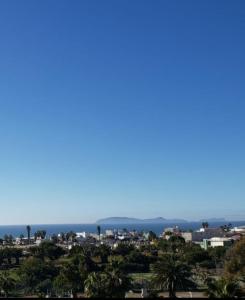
121 108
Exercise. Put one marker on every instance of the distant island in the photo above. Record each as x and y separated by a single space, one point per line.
159 220
125 220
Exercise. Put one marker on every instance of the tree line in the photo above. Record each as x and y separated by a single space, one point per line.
101 271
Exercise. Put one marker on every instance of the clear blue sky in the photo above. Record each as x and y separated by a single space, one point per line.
121 108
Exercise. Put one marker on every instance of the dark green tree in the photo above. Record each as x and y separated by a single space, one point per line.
172 274
152 236
205 225
103 251
117 283
28 229
222 288
16 253
235 261
95 285
70 236
47 249
70 279
7 284
123 249
33 271
99 231
40 234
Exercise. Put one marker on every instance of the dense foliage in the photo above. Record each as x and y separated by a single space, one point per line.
97 270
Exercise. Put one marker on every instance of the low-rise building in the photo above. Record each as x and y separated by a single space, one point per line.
216 242
109 233
81 234
239 229
202 234
187 236
168 232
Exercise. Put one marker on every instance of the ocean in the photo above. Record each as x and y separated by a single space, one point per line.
17 230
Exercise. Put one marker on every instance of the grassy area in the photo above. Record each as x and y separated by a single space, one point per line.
141 276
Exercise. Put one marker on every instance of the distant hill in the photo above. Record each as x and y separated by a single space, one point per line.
125 220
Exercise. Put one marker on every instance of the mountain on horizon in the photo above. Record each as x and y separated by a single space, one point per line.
126 220
159 220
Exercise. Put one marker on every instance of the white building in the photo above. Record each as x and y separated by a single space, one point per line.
219 242
109 233
216 242
81 234
240 229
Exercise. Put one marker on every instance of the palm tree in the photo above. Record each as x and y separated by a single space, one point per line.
99 231
172 274
40 234
205 225
94 285
222 288
117 282
28 228
112 283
